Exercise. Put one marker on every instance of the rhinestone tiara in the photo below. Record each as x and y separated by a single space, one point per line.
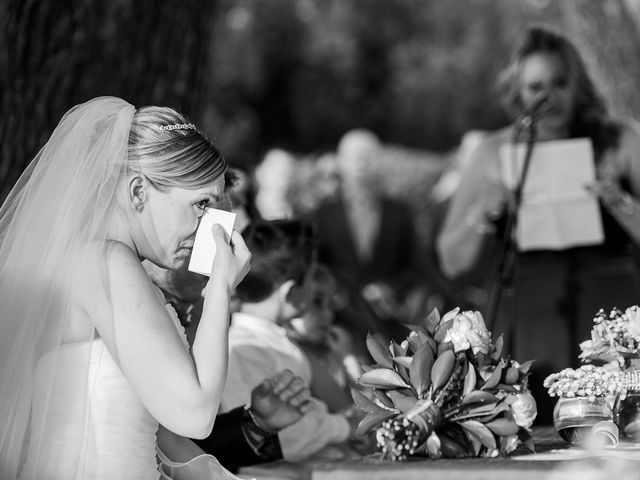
178 126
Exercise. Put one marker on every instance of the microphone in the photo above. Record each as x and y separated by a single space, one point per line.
533 112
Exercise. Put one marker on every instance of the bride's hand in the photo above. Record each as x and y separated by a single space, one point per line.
231 262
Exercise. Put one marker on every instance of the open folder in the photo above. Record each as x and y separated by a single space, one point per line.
557 211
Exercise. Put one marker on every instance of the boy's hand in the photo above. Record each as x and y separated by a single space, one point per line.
280 401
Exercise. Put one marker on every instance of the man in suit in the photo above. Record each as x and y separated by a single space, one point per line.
369 242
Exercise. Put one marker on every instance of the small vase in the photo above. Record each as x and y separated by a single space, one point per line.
628 415
627 407
573 417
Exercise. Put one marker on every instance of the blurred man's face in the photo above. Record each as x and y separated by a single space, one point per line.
355 159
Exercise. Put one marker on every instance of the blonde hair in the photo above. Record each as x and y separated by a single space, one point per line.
178 157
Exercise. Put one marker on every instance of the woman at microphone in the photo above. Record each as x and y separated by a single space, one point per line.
556 292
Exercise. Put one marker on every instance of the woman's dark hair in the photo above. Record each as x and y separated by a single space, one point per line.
590 116
281 250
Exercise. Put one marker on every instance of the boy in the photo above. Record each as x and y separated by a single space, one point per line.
268 298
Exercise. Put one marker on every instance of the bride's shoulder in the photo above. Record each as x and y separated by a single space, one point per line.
105 273
109 253
99 264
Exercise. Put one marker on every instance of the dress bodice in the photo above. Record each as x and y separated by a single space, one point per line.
109 436
94 424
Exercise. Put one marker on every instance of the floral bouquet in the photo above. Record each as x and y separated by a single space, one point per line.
445 392
615 339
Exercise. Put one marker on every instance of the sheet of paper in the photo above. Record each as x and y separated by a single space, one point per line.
557 211
204 246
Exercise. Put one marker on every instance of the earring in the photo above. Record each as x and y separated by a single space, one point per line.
139 207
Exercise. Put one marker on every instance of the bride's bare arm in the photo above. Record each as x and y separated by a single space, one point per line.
181 389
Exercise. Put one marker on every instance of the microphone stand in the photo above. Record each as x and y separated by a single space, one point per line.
503 276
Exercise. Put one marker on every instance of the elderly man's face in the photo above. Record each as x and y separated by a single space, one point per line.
356 158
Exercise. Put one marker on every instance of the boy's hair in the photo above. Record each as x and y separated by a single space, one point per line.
281 250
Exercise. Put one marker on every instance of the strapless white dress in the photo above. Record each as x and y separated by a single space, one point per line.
110 437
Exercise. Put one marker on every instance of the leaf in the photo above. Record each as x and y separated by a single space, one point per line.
511 376
444 346
402 401
404 361
433 446
432 343
524 368
372 421
441 331
490 414
432 321
403 372
399 350
451 314
364 403
417 328
482 359
507 388
497 349
470 380
383 398
481 432
494 379
479 397
383 378
525 437
416 340
476 444
379 352
502 427
450 448
442 368
420 369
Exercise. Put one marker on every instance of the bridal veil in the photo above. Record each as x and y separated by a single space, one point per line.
61 203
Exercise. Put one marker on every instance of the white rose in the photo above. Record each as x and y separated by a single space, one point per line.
524 410
468 331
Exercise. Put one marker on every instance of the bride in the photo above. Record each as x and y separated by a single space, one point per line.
91 359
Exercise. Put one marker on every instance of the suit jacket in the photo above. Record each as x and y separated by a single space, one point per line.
394 260
229 442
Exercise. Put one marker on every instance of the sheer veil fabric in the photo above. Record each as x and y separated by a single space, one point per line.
60 205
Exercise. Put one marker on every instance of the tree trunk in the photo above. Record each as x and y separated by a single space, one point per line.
55 54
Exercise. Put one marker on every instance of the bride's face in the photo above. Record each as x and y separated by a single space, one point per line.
170 220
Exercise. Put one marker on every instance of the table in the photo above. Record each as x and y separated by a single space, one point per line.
552 461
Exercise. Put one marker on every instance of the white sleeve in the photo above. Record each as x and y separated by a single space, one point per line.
248 367
317 429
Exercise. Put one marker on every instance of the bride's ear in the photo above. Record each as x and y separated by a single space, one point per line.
137 192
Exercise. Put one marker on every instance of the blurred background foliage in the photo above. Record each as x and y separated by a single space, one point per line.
290 73
296 74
